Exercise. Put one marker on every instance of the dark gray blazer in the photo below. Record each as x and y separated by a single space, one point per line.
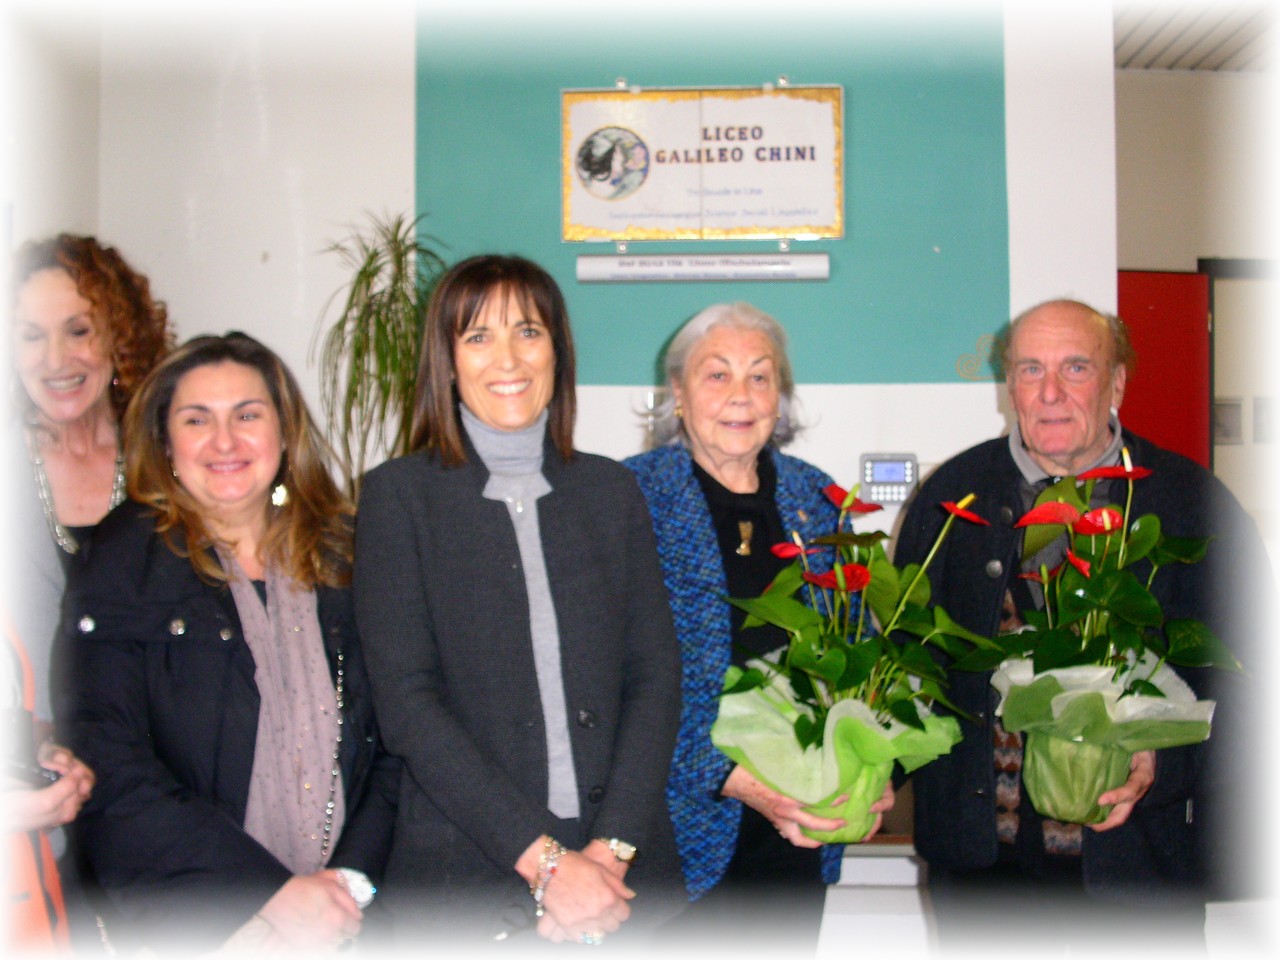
443 613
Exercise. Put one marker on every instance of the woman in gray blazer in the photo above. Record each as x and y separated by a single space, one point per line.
518 637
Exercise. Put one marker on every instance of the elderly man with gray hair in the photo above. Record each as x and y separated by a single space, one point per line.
996 867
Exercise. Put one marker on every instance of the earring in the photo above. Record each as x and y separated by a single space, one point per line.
679 412
280 495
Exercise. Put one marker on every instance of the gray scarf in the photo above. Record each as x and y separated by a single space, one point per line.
295 775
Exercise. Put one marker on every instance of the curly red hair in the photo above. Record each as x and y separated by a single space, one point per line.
134 323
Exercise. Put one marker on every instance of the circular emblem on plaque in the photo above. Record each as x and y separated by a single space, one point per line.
612 163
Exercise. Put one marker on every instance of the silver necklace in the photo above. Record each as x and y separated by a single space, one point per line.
61 536
333 780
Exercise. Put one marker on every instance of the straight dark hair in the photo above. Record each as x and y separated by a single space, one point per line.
459 297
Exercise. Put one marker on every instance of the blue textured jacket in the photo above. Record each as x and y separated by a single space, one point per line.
706 823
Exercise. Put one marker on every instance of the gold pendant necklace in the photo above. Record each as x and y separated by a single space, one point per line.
744 533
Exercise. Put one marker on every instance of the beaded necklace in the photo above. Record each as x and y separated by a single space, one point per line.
61 535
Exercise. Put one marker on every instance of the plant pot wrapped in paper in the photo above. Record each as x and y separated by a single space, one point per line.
853 763
1090 682
828 715
1082 729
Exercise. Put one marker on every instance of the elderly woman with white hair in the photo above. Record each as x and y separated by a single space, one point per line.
720 494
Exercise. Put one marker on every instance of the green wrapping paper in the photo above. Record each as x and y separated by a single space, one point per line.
757 729
1081 732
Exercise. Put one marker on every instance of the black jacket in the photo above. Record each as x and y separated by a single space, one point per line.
161 704
1165 844
441 601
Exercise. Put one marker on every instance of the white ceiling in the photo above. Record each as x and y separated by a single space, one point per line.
1225 35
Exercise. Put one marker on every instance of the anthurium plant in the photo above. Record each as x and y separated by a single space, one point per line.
1089 680
825 718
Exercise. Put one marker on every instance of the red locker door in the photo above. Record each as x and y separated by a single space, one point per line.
1167 398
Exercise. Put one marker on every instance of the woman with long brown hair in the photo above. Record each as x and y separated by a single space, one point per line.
218 682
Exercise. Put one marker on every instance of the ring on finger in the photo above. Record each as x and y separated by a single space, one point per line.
592 939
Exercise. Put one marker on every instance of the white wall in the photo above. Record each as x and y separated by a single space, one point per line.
49 118
236 146
233 146
1195 167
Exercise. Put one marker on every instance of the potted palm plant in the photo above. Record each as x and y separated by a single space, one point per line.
370 350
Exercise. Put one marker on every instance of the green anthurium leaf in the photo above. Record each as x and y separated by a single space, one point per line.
904 712
1192 644
882 593
831 664
808 731
1038 619
1125 636
934 693
1144 534
916 620
1056 648
780 610
802 687
942 620
1095 649
1119 593
916 659
1144 688
919 587
860 661
953 647
980 661
1003 647
849 539
789 579
748 680
1179 550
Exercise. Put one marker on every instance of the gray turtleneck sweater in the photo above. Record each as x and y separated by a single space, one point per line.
514 461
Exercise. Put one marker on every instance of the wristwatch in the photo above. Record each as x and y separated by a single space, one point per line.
358 885
621 850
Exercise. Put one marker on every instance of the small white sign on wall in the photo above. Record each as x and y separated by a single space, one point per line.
716 163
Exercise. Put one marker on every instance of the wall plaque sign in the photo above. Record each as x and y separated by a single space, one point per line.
744 163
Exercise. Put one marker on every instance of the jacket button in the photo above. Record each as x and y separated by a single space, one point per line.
586 718
226 633
86 624
981 792
994 568
1006 514
595 794
177 626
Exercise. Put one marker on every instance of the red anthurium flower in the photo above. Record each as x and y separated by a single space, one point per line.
844 501
958 509
789 551
856 577
1126 471
1101 521
1055 511
836 494
1081 565
825 580
1035 575
1116 472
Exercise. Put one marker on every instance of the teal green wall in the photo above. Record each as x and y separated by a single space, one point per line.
922 271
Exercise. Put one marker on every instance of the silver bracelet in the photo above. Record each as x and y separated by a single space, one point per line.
548 859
